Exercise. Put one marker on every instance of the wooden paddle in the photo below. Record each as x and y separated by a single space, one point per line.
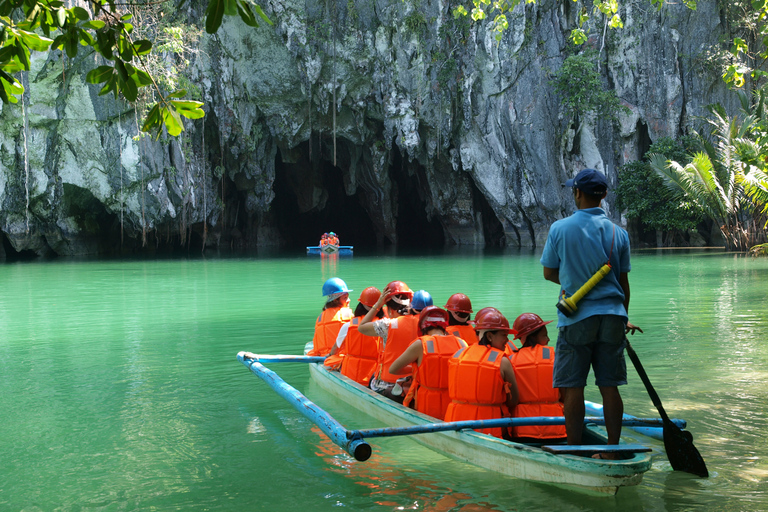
678 443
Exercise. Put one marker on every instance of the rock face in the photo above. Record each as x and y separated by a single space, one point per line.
386 121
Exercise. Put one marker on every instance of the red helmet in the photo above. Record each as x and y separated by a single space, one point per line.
492 320
459 303
369 296
483 311
399 288
432 316
526 323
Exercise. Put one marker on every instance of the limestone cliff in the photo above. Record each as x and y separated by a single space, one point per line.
386 121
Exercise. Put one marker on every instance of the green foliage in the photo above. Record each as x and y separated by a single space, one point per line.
581 91
110 34
728 180
643 195
415 22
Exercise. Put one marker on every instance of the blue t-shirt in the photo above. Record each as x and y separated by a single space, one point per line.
578 246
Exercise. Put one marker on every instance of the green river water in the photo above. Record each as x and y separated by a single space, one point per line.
120 389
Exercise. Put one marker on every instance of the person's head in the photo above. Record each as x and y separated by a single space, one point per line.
335 292
432 318
368 298
531 329
399 297
589 188
459 309
420 300
492 328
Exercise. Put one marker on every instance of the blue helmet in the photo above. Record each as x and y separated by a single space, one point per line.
335 286
420 300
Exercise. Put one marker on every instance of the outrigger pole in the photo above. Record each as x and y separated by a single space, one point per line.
352 441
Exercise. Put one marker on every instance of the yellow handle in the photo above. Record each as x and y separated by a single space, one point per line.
568 305
586 287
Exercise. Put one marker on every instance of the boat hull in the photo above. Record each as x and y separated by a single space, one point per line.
342 250
511 459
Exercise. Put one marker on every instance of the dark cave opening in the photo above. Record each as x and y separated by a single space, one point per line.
414 229
12 255
301 221
342 214
493 230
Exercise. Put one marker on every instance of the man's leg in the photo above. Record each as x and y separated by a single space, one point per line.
573 409
613 410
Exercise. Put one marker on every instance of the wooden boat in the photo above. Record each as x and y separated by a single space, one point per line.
529 462
343 250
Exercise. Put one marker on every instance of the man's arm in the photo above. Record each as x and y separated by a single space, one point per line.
552 274
624 283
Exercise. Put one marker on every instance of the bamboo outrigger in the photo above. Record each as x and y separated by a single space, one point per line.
556 464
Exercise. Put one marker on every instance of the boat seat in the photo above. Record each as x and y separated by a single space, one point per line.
594 448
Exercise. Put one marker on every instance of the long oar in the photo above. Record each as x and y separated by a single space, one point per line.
678 443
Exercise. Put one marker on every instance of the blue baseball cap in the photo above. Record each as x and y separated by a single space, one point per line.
589 181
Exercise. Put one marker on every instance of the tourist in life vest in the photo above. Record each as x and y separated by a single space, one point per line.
335 313
459 309
481 381
429 354
533 365
355 354
509 347
333 239
397 331
324 240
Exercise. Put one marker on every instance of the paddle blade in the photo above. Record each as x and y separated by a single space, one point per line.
680 451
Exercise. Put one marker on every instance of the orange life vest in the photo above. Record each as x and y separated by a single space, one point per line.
327 328
465 332
430 378
403 330
361 353
533 372
475 386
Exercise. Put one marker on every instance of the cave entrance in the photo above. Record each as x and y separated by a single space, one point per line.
493 229
414 230
300 221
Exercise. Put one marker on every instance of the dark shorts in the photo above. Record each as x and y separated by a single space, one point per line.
597 341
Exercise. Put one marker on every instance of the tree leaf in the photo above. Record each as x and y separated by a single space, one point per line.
130 90
189 109
142 47
173 122
61 16
93 24
178 94
263 16
99 75
80 13
246 14
214 15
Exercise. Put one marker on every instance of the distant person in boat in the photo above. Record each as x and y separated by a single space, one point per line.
481 381
324 240
429 355
420 300
397 331
333 239
355 354
533 364
594 334
335 313
459 308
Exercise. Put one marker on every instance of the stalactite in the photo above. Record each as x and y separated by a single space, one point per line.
25 130
120 164
141 167
334 82
204 167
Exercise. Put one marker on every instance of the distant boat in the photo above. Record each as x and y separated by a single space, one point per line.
343 250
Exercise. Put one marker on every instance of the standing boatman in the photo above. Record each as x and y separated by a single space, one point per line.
594 333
